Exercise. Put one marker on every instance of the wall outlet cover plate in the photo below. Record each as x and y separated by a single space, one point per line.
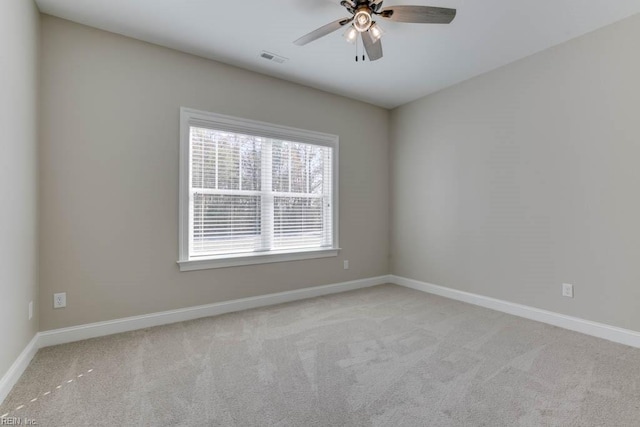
567 290
60 300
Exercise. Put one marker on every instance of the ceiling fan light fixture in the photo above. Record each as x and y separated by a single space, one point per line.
351 35
362 20
376 32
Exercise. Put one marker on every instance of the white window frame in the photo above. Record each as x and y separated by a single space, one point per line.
190 117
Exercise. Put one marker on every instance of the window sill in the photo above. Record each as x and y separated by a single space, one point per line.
257 258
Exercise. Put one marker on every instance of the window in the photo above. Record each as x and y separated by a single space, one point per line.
253 193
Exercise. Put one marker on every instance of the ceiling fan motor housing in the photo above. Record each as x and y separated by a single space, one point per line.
362 19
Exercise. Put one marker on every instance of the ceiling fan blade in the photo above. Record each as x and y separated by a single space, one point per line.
419 14
322 31
373 48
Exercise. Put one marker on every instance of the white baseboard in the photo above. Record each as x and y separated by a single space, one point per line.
600 330
93 330
17 369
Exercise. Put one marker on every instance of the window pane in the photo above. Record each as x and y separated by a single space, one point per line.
298 222
299 156
298 168
225 223
203 158
317 169
250 154
228 162
280 166
225 161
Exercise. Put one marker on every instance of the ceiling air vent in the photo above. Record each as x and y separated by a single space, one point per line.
273 57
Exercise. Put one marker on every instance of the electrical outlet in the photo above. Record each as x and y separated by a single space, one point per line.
567 290
30 310
60 300
346 264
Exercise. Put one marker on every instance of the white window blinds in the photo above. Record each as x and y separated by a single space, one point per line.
251 194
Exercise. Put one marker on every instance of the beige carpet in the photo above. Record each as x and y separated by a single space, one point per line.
383 356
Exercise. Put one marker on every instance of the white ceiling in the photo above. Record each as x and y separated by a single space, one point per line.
418 59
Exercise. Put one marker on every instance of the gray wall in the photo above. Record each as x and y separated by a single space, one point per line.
19 39
516 181
109 176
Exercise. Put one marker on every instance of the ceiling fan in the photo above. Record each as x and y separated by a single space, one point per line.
362 22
